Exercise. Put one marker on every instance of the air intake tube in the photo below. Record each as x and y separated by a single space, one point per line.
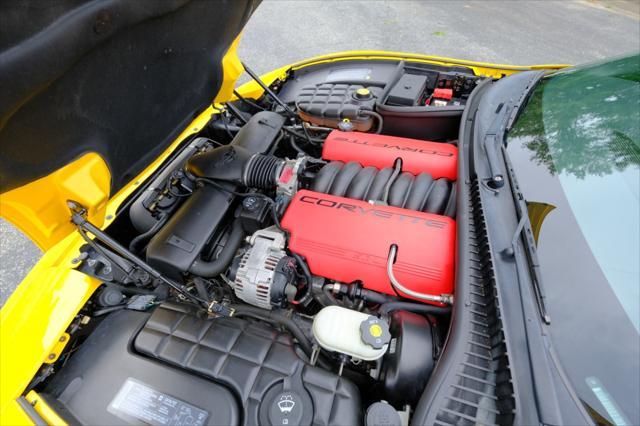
236 165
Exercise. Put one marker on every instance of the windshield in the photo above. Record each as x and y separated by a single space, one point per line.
576 147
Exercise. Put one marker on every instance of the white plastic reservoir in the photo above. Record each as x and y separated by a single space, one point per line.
337 329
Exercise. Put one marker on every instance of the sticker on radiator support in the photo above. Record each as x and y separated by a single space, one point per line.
137 402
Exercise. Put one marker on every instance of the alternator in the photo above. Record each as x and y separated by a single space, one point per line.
266 275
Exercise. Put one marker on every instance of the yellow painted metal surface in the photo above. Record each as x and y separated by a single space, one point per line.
36 316
12 414
56 351
232 70
39 208
44 410
480 68
39 312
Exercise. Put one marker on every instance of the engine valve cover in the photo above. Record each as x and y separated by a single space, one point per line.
347 240
380 151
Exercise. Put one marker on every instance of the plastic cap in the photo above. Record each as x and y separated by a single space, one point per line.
363 93
375 332
381 413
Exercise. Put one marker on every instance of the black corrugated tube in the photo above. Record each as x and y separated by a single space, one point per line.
261 171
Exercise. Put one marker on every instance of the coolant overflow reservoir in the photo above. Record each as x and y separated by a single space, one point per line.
352 333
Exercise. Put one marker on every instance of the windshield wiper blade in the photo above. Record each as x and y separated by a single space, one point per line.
534 267
524 229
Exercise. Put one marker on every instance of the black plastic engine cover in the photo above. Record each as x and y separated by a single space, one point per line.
257 362
84 390
179 243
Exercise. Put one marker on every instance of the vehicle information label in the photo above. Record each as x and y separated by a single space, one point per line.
138 402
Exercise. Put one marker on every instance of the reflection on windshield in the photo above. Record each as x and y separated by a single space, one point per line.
584 126
595 134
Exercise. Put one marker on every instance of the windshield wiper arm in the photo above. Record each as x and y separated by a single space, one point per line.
524 229
493 139
534 268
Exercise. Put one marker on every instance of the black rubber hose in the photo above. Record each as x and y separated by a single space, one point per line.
146 236
329 295
108 310
307 275
294 145
418 308
225 126
217 266
201 288
276 317
303 265
261 171
375 297
314 141
378 118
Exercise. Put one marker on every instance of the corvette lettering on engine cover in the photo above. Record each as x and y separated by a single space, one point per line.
349 240
380 151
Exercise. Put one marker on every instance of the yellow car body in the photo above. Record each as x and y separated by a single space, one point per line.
34 320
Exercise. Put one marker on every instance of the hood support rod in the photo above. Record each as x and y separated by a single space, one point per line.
79 218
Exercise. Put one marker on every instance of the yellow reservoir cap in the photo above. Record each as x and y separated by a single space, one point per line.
375 330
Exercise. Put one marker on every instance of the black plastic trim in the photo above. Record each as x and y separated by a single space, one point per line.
471 383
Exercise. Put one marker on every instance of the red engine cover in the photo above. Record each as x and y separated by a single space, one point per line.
347 240
380 151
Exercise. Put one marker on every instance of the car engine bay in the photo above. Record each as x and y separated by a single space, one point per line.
293 263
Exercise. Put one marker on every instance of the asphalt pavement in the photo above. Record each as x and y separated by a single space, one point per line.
516 33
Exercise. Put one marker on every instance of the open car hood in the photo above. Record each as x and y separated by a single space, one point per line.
118 78
107 83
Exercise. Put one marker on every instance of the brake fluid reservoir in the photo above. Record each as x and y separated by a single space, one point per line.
351 333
